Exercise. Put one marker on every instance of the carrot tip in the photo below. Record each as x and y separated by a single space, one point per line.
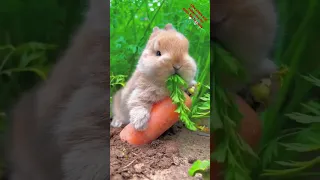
122 136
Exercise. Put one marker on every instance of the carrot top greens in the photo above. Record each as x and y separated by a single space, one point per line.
174 85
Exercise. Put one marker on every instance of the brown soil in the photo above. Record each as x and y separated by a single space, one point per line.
167 158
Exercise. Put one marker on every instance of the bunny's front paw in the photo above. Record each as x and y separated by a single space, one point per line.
193 83
139 118
116 123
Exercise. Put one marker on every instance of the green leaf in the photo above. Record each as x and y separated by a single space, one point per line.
174 84
270 151
239 156
303 118
34 46
9 46
313 107
221 94
245 147
34 70
26 59
313 80
175 99
230 121
220 152
229 60
234 174
199 167
205 98
290 163
301 147
298 167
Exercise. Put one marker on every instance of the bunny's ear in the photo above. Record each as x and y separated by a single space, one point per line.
169 27
155 29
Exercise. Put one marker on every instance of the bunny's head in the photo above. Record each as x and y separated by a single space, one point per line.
167 53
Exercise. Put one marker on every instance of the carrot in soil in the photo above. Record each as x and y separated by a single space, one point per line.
162 117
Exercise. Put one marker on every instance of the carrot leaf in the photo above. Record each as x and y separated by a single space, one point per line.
200 167
174 84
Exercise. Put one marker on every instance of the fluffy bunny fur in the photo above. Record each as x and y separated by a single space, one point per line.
247 28
147 85
60 130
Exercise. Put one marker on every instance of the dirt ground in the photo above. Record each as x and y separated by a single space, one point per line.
168 158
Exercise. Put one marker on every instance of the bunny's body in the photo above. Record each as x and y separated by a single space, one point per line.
247 29
166 54
59 130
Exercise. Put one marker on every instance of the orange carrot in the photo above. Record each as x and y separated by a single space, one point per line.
250 131
162 117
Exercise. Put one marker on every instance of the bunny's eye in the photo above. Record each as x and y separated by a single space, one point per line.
158 53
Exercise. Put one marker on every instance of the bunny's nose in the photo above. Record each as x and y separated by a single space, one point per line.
176 68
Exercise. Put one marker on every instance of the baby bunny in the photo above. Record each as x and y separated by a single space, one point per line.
166 53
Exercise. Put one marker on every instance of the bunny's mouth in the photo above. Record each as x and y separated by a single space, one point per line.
176 69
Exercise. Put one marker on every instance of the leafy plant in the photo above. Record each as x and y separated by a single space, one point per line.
174 85
230 149
18 62
202 108
290 148
31 56
202 167
116 81
301 140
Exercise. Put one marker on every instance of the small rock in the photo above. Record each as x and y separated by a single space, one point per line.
136 177
159 154
125 174
138 167
113 132
113 161
198 176
165 163
150 153
172 148
191 159
155 143
119 154
176 160
117 177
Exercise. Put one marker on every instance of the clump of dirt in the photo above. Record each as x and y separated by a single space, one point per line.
162 159
127 160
